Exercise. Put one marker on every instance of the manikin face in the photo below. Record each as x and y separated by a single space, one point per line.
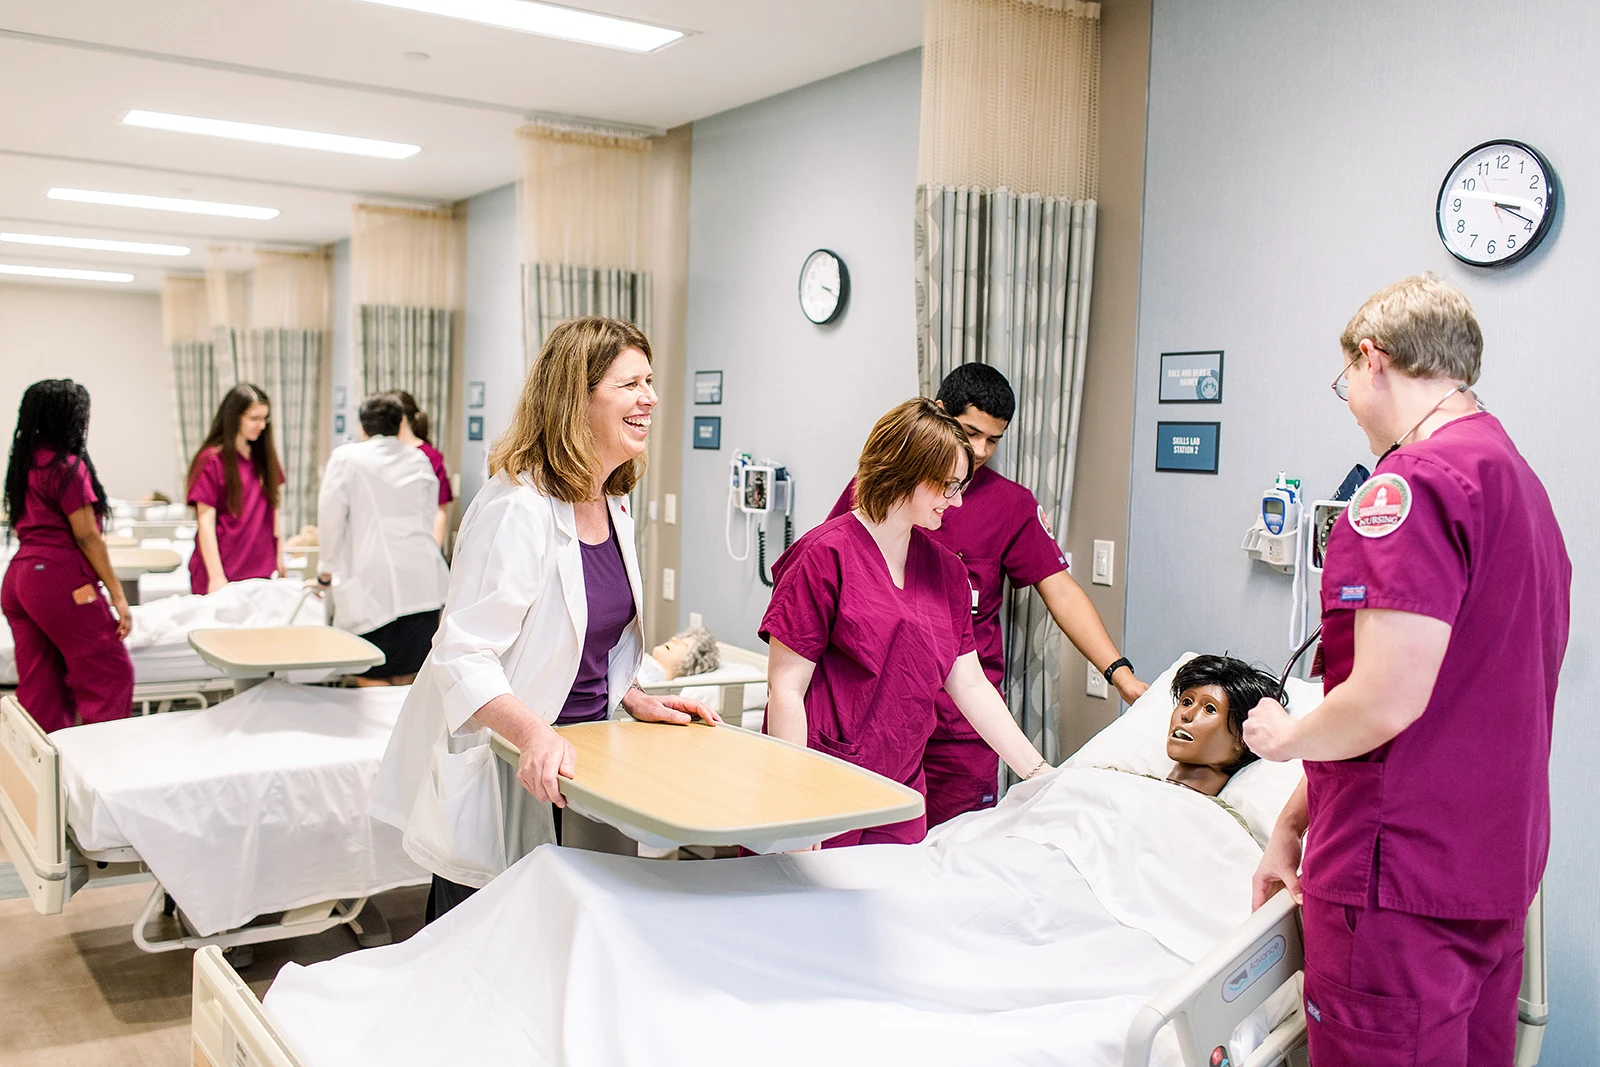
619 409
928 503
983 432
253 423
1198 732
672 654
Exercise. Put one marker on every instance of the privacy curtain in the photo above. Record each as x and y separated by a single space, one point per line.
1004 246
186 324
406 287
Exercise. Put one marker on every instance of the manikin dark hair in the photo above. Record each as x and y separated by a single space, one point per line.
54 415
224 437
978 385
1244 685
381 414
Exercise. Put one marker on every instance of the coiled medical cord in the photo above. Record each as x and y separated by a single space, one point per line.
761 548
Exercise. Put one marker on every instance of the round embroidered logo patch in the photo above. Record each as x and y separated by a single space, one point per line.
1046 523
1380 506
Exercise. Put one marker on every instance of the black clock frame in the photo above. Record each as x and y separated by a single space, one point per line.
1552 202
844 286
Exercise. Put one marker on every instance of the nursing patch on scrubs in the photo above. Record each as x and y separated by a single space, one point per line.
1046 523
1380 506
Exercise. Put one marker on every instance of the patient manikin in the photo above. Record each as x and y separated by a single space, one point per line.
1213 696
688 652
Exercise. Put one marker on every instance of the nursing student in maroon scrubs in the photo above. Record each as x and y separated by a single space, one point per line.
233 487
999 534
71 663
871 619
414 432
1425 807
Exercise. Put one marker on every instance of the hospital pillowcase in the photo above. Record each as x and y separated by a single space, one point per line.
1137 741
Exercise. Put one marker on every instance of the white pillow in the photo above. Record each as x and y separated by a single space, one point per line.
1137 741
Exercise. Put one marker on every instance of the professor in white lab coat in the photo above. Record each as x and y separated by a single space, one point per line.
541 623
375 511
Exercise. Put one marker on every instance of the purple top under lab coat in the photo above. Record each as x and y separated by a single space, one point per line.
1452 816
610 599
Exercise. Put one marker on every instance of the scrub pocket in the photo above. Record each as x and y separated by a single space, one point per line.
459 817
840 749
1350 1029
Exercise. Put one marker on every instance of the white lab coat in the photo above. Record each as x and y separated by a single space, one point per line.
514 622
375 515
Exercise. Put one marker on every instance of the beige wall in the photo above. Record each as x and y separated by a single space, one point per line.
1100 493
111 342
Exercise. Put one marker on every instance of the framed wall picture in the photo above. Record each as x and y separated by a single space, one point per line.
474 427
339 397
708 431
1191 378
708 387
1188 447
474 394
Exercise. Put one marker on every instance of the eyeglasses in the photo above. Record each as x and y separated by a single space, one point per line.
953 488
1341 388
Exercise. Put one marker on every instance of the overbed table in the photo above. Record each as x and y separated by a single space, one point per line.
666 785
130 562
249 654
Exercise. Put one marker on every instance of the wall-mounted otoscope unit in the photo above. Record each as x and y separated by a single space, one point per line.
758 489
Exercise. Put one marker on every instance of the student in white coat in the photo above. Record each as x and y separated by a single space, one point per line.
376 512
542 621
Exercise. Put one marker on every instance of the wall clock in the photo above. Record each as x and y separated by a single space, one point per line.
1497 203
824 286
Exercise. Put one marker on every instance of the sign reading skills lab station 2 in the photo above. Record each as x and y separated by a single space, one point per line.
1190 447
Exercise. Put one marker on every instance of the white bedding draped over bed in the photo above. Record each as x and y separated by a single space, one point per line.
1030 933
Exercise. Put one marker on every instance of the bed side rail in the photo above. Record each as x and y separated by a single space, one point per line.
33 820
1208 1000
1533 1004
227 1026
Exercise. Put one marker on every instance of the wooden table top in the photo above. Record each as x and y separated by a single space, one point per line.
257 651
129 563
704 785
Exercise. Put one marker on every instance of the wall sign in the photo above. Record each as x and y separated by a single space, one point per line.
338 423
474 394
474 427
338 397
1190 447
708 431
708 387
1191 377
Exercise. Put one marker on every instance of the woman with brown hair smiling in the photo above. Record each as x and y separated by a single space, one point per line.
541 624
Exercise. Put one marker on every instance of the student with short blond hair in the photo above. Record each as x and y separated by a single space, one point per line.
870 618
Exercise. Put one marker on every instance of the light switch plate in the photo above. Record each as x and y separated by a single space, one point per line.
695 619
1104 560
652 511
671 507
669 584
1096 684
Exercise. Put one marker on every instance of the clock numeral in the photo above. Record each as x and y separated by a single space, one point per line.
1522 166
1502 162
1461 225
1483 166
1455 205
1489 248
1528 226
1533 182
1473 241
1511 242
1539 200
1469 184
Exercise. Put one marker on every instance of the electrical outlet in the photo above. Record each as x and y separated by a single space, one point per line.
1096 685
652 511
669 584
671 508
1104 557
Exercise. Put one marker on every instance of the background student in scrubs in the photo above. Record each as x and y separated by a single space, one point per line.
870 617
1426 803
414 432
233 488
999 534
71 662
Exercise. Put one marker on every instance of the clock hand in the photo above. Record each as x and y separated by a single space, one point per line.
1508 211
1500 199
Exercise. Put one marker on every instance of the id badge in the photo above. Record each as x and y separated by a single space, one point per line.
85 594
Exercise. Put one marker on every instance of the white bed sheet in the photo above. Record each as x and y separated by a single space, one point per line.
1028 934
159 642
254 806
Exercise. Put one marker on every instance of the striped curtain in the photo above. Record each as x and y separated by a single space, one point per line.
196 394
407 347
1004 279
554 292
288 365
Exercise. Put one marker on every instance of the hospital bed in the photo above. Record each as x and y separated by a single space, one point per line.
1235 1001
736 690
251 816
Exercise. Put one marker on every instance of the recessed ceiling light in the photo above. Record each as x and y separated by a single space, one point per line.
163 203
548 20
95 244
416 56
64 272
279 135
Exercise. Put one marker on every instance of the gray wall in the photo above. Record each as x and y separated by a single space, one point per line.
830 165
492 338
1295 151
344 374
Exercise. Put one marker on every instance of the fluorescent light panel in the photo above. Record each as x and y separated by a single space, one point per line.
67 273
548 20
94 244
163 203
279 135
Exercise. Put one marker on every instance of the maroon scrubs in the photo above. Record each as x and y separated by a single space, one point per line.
1423 855
999 532
436 460
247 543
70 662
881 653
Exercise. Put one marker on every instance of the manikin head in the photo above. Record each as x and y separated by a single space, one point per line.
980 399
1212 696
688 652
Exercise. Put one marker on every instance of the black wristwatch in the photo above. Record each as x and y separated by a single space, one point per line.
1117 665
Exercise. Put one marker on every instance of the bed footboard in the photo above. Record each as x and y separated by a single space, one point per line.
1208 1000
33 819
227 1026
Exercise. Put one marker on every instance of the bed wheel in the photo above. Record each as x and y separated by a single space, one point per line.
239 956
